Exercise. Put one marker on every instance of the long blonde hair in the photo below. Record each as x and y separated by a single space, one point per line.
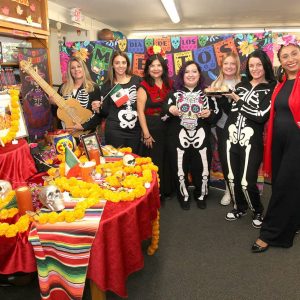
69 85
220 79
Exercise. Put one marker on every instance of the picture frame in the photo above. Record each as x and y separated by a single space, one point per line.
5 112
91 141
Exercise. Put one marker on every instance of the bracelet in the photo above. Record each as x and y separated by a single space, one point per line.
147 138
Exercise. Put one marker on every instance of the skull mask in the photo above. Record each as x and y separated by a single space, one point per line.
129 160
5 188
52 198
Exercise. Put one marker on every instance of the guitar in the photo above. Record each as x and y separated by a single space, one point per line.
69 111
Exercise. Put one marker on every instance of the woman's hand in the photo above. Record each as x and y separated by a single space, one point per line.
205 113
148 141
96 105
51 100
233 96
174 110
77 127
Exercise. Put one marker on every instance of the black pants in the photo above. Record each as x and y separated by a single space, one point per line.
197 161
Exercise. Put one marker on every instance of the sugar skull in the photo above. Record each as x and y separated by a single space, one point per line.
5 188
128 160
52 198
202 39
148 43
190 106
175 40
122 44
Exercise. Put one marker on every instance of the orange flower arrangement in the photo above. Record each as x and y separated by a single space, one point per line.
15 116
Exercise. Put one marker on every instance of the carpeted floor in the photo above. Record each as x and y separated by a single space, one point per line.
203 256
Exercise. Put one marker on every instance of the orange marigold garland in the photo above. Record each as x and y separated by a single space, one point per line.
155 236
15 117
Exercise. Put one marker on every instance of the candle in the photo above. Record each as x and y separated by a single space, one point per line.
87 170
95 155
24 199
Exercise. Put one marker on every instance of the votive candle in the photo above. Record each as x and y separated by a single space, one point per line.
24 199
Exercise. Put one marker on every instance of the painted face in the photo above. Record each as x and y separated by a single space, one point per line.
290 59
120 65
76 70
256 69
155 69
191 76
229 67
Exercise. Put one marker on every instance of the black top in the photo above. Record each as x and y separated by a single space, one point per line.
85 99
123 118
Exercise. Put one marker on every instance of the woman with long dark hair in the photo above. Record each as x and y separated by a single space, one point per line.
282 154
122 128
190 113
151 96
244 136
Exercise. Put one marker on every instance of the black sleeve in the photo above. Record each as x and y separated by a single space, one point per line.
165 113
95 120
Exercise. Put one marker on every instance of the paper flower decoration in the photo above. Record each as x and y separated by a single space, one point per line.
153 50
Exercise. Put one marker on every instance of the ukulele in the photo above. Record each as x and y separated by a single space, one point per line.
69 111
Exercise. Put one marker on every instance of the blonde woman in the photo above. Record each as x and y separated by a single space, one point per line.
229 77
80 86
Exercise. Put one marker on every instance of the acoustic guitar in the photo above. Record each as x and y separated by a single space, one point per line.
69 111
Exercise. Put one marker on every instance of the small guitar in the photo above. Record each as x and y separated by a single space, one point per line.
69 111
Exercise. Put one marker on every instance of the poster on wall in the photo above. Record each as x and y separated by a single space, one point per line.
36 107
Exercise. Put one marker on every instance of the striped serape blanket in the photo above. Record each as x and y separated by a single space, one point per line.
62 252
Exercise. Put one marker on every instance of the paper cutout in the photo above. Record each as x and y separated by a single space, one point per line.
170 64
19 10
138 63
164 43
180 58
205 57
136 46
175 41
5 10
223 47
188 43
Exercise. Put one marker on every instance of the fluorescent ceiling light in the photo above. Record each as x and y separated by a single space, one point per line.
171 10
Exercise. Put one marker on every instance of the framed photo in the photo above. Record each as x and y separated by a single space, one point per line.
5 118
91 141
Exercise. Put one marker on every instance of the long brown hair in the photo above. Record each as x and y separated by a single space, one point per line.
69 85
111 76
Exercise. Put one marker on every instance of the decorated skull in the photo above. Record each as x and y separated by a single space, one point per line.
5 188
128 160
175 42
52 198
122 44
148 42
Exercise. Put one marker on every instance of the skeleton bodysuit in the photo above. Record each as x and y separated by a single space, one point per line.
189 142
122 127
244 143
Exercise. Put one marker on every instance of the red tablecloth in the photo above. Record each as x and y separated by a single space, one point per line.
16 163
16 253
116 251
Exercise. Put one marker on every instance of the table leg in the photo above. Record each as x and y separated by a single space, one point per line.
155 236
96 293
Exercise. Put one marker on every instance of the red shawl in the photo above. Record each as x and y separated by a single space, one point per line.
294 104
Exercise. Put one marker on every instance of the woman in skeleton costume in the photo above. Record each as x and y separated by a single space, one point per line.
282 153
190 114
228 78
79 85
151 96
122 128
244 129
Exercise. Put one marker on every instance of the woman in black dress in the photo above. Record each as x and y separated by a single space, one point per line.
122 128
151 96
282 155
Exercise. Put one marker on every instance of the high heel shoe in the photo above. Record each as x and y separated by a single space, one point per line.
258 249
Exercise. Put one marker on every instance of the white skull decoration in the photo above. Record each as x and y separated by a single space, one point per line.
52 198
5 188
128 160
